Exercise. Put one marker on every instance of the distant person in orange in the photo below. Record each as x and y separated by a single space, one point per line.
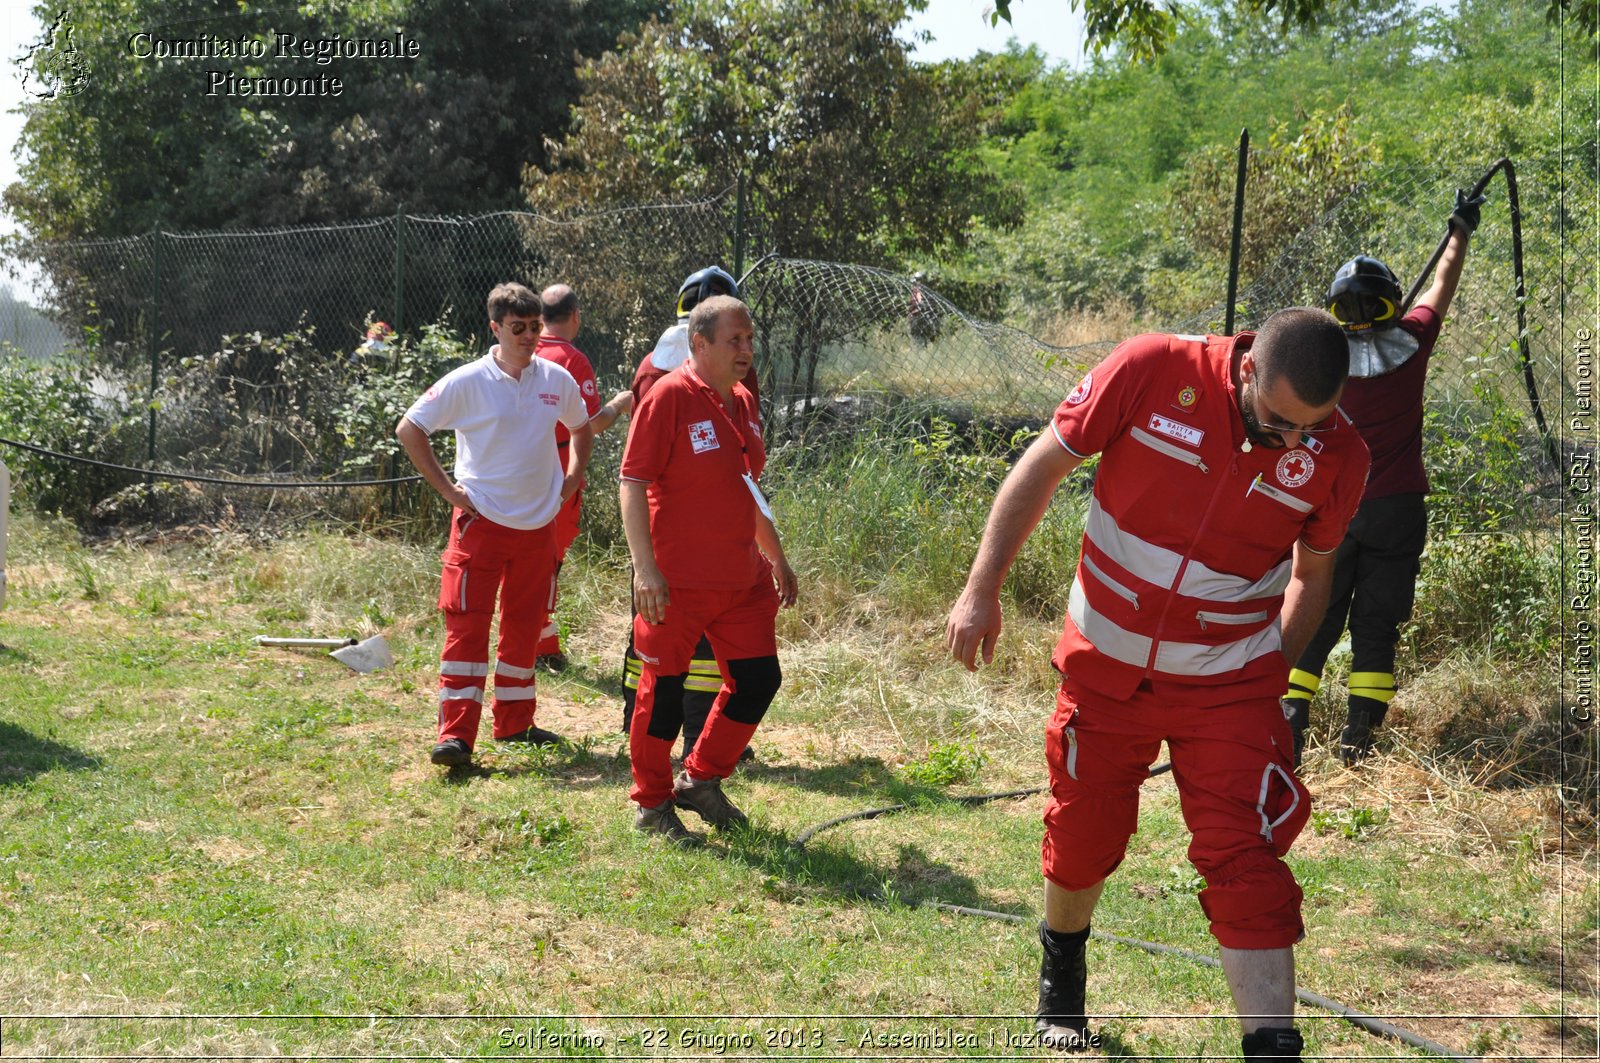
562 320
706 559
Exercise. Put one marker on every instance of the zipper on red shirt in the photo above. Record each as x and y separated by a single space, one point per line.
1183 566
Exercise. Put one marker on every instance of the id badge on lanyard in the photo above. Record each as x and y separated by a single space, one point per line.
744 452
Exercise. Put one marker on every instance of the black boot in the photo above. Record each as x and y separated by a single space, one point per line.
1274 1042
1355 741
1063 977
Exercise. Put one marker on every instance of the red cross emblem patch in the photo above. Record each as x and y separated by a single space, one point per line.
1295 468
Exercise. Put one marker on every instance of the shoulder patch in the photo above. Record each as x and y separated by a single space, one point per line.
1081 392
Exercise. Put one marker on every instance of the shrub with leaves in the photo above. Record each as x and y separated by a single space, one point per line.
62 406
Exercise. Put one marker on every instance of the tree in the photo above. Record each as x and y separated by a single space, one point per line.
1145 28
851 151
147 139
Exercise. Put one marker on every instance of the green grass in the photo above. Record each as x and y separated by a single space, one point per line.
194 825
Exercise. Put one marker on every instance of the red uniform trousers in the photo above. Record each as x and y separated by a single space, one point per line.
484 559
1233 763
740 626
566 531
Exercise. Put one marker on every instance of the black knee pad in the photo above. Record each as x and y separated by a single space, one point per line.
666 711
755 684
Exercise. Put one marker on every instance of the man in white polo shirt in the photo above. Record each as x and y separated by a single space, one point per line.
509 485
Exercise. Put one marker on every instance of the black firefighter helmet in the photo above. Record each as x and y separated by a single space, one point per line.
1365 298
1365 294
713 280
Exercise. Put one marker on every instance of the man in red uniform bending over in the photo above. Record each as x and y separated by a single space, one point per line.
1227 477
508 486
697 530
562 320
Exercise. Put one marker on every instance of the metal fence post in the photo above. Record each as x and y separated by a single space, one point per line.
738 230
399 271
1238 229
155 344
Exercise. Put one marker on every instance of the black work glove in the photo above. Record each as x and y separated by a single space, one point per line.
1465 216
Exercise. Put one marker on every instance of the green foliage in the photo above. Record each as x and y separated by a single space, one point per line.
66 407
1128 167
1498 592
947 764
1145 29
144 144
853 153
1294 176
920 493
1352 823
371 404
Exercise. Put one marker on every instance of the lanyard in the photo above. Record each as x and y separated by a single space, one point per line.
716 403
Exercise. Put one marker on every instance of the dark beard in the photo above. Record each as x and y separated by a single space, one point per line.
1258 435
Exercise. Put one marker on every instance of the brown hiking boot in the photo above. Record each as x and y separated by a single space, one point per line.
708 800
663 820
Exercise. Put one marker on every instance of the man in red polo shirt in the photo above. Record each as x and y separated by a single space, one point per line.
562 320
705 557
1227 477
670 352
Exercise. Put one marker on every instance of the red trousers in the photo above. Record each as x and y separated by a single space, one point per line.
1233 763
740 624
484 560
566 532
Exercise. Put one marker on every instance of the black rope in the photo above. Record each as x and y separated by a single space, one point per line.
194 478
1305 996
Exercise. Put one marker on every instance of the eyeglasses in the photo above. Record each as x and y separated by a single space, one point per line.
518 328
1270 427
1273 423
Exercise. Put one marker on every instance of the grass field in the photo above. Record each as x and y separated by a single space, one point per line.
212 849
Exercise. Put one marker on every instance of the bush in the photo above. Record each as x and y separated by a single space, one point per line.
63 406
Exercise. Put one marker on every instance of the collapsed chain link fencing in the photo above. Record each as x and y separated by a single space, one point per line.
835 341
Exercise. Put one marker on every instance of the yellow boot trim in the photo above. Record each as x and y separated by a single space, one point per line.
1303 685
1379 686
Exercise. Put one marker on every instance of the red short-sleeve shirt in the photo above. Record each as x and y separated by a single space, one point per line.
575 362
694 453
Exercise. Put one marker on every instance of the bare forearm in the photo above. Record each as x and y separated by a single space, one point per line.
1447 275
580 450
1305 601
426 462
621 403
767 540
635 504
1018 507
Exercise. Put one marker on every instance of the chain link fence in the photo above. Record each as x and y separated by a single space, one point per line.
835 341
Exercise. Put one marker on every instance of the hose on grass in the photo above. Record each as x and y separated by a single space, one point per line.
1305 996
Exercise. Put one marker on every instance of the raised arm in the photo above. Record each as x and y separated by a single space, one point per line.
1447 274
